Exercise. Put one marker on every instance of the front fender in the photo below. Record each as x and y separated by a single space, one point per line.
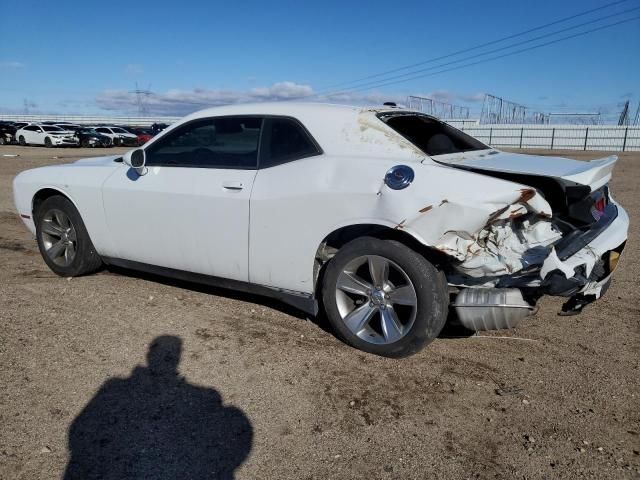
82 185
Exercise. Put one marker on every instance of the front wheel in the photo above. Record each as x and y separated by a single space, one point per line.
63 239
47 142
384 298
21 141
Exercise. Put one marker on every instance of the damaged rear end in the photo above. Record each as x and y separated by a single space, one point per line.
560 237
546 226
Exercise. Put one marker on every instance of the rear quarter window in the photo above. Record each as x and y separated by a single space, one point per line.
430 135
285 140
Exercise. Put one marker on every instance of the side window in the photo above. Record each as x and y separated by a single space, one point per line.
102 130
224 142
32 128
285 140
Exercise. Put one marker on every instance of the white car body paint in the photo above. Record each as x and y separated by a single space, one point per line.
204 227
114 134
268 233
35 134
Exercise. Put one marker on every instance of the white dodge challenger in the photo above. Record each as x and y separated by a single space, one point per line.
384 217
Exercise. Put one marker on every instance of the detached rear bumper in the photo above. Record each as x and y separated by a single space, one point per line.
583 276
588 271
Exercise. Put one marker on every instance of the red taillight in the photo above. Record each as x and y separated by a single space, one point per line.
600 204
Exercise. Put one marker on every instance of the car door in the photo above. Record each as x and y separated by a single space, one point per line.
104 131
34 135
190 209
287 194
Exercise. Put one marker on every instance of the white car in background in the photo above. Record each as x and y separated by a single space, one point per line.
119 136
47 135
385 217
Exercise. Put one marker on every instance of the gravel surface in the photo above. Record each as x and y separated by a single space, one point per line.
121 375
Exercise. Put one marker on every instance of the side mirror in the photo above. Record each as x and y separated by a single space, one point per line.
136 159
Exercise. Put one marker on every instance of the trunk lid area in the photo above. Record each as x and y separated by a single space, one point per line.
594 174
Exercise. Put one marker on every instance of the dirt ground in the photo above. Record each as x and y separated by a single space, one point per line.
264 392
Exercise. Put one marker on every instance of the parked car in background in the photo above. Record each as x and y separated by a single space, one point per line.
88 137
19 125
47 135
156 128
143 134
119 136
7 133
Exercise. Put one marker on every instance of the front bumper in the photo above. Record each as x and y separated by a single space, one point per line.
65 141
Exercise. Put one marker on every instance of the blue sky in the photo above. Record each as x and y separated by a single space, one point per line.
78 57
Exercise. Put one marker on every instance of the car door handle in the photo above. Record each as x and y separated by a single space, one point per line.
232 185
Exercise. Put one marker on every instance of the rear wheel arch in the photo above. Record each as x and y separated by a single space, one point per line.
343 235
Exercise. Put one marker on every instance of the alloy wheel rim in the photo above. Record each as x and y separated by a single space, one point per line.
59 237
376 299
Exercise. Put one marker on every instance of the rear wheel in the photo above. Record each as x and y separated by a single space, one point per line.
47 142
384 298
63 239
85 143
21 141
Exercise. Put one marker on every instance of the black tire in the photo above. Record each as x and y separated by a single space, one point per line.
47 142
86 259
85 143
430 287
21 141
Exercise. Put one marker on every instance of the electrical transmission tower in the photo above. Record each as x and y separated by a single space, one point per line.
624 115
142 99
438 109
498 110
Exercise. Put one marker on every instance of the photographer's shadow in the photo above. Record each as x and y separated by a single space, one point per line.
154 424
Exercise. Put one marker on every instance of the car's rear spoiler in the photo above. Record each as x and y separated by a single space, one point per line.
595 173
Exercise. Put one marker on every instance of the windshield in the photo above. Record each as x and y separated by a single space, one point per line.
51 128
429 134
88 131
118 130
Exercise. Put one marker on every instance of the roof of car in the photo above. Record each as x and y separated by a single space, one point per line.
338 129
280 108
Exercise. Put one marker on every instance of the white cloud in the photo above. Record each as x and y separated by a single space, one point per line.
180 102
133 69
11 64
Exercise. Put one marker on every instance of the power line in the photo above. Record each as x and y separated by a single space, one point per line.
493 42
495 50
486 59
